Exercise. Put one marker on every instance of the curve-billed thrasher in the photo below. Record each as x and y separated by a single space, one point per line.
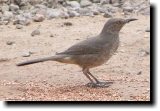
91 52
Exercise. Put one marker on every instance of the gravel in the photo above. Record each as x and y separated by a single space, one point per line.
24 11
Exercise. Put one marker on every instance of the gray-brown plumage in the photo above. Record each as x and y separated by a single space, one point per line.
91 52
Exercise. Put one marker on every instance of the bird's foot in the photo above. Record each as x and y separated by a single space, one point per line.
103 84
99 84
93 85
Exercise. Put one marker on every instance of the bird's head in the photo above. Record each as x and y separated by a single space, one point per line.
115 25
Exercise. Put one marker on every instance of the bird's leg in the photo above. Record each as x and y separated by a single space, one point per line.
97 81
92 84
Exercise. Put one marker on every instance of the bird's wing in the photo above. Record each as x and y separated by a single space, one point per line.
84 48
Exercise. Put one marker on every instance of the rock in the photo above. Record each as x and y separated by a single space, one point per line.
77 39
39 9
14 7
52 3
94 9
20 19
118 3
115 3
27 15
18 12
26 54
53 13
4 8
95 12
68 24
145 11
107 7
51 35
27 22
96 1
41 12
24 3
55 3
107 14
147 29
63 9
144 52
34 10
101 10
34 2
45 3
10 42
73 4
102 2
73 14
4 22
142 7
128 9
85 3
4 59
7 16
17 2
40 6
61 1
85 11
19 26
26 6
64 14
36 32
139 72
38 18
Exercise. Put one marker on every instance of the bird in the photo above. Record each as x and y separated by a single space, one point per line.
91 52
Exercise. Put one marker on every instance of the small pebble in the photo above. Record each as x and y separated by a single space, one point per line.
5 22
143 52
51 35
139 73
35 32
4 59
19 26
107 15
38 18
26 54
10 42
68 24
77 39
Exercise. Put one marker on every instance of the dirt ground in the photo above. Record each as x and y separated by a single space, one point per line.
128 69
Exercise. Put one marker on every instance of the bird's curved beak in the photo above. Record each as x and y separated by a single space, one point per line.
131 19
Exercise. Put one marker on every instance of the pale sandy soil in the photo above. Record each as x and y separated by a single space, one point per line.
128 69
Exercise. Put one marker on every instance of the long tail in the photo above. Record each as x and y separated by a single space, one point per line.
54 58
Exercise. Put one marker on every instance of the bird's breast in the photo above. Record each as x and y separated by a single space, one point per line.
114 46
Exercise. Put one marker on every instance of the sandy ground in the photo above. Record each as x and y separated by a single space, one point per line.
128 69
